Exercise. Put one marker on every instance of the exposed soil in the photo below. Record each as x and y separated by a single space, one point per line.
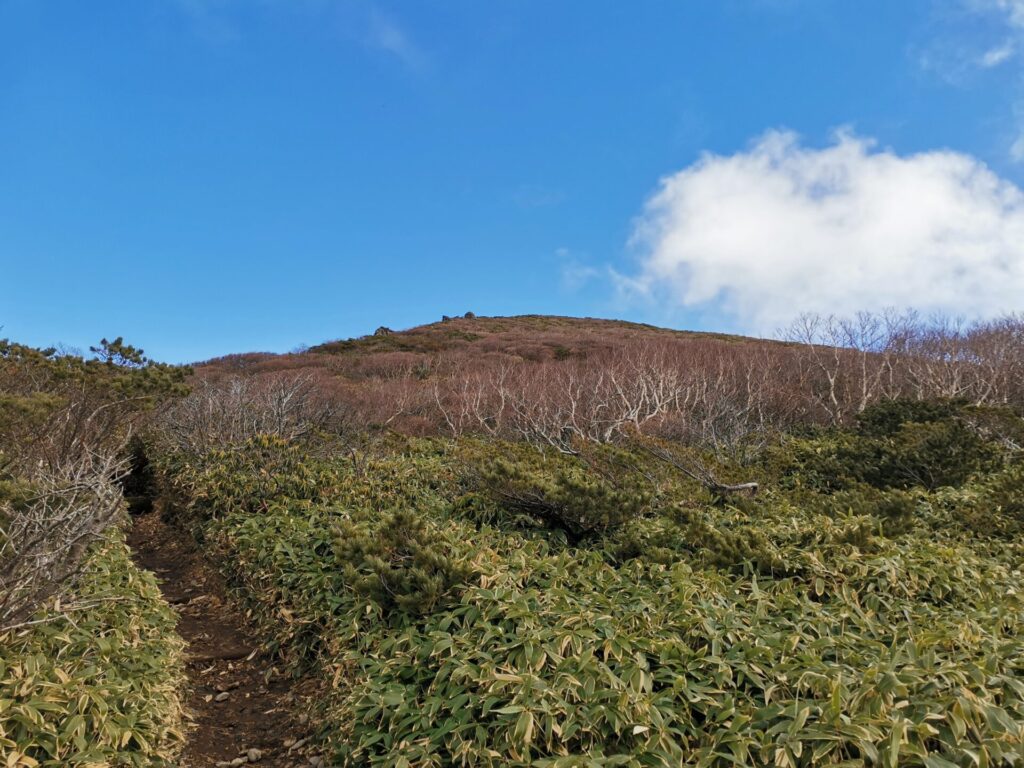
241 707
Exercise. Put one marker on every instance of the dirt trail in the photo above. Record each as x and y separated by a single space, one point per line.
242 711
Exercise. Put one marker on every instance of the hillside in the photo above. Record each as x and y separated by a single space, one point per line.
518 337
527 336
484 373
552 377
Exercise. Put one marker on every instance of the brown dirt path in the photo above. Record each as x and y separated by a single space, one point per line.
242 710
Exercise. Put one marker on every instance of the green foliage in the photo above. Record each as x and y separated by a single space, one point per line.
581 664
887 417
398 562
92 676
894 510
97 680
117 368
930 455
20 410
741 546
993 506
655 539
579 495
899 444
55 406
16 491
280 553
1005 494
827 621
245 478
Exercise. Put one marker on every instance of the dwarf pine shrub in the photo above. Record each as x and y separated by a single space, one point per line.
580 497
397 562
898 444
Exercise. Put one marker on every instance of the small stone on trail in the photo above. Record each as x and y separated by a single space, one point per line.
222 696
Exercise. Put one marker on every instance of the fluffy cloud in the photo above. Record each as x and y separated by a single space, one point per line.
993 57
781 229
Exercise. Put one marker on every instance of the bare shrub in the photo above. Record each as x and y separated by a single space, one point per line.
556 381
233 409
63 421
46 524
692 391
847 364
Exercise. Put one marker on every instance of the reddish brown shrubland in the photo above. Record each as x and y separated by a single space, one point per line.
553 380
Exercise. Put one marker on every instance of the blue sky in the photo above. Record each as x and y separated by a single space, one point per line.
210 176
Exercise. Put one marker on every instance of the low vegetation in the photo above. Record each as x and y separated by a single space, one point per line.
478 603
94 678
90 667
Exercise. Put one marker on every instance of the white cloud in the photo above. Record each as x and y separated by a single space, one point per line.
780 229
993 57
1010 14
962 44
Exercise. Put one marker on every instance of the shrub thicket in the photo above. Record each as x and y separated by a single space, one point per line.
64 421
828 620
99 685
56 407
90 667
398 561
581 495
899 444
247 477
